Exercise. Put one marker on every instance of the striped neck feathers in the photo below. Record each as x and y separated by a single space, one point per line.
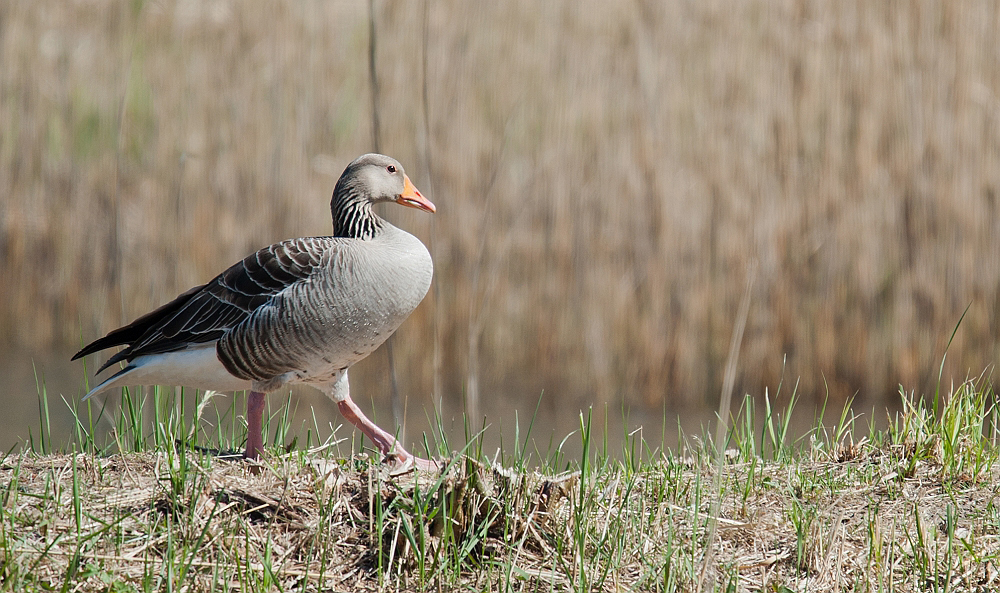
353 217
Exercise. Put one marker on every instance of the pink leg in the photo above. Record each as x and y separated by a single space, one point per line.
385 442
255 421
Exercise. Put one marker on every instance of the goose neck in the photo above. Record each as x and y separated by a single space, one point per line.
353 218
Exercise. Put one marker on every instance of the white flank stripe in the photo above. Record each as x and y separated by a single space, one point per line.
197 367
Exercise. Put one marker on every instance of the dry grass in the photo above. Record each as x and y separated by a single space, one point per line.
604 171
910 508
292 523
307 524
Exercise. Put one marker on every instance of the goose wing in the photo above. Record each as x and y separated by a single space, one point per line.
204 313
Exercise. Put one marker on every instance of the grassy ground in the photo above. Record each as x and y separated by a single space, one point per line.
843 508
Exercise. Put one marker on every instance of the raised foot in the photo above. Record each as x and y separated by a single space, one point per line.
401 463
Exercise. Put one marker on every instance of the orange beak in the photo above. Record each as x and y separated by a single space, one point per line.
413 198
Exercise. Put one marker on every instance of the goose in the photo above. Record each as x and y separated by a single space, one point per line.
299 311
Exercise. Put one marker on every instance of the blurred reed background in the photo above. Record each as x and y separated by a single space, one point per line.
605 173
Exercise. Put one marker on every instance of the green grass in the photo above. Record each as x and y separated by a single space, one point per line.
843 507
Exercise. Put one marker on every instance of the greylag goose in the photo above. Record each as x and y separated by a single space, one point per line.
299 311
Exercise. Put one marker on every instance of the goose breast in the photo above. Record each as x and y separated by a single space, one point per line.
357 297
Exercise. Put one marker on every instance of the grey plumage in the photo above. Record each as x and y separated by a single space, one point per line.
298 311
357 295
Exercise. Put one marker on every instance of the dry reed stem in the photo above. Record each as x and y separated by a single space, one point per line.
650 149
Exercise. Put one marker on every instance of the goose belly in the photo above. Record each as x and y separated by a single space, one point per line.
348 336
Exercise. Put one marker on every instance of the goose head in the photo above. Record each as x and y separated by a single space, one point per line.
377 178
370 179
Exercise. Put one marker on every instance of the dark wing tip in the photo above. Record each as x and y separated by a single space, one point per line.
123 354
99 344
128 334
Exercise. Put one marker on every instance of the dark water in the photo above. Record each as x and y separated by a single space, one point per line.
556 425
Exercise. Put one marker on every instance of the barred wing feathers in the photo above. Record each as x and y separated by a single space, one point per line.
205 313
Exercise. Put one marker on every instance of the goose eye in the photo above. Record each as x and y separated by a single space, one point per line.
391 168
